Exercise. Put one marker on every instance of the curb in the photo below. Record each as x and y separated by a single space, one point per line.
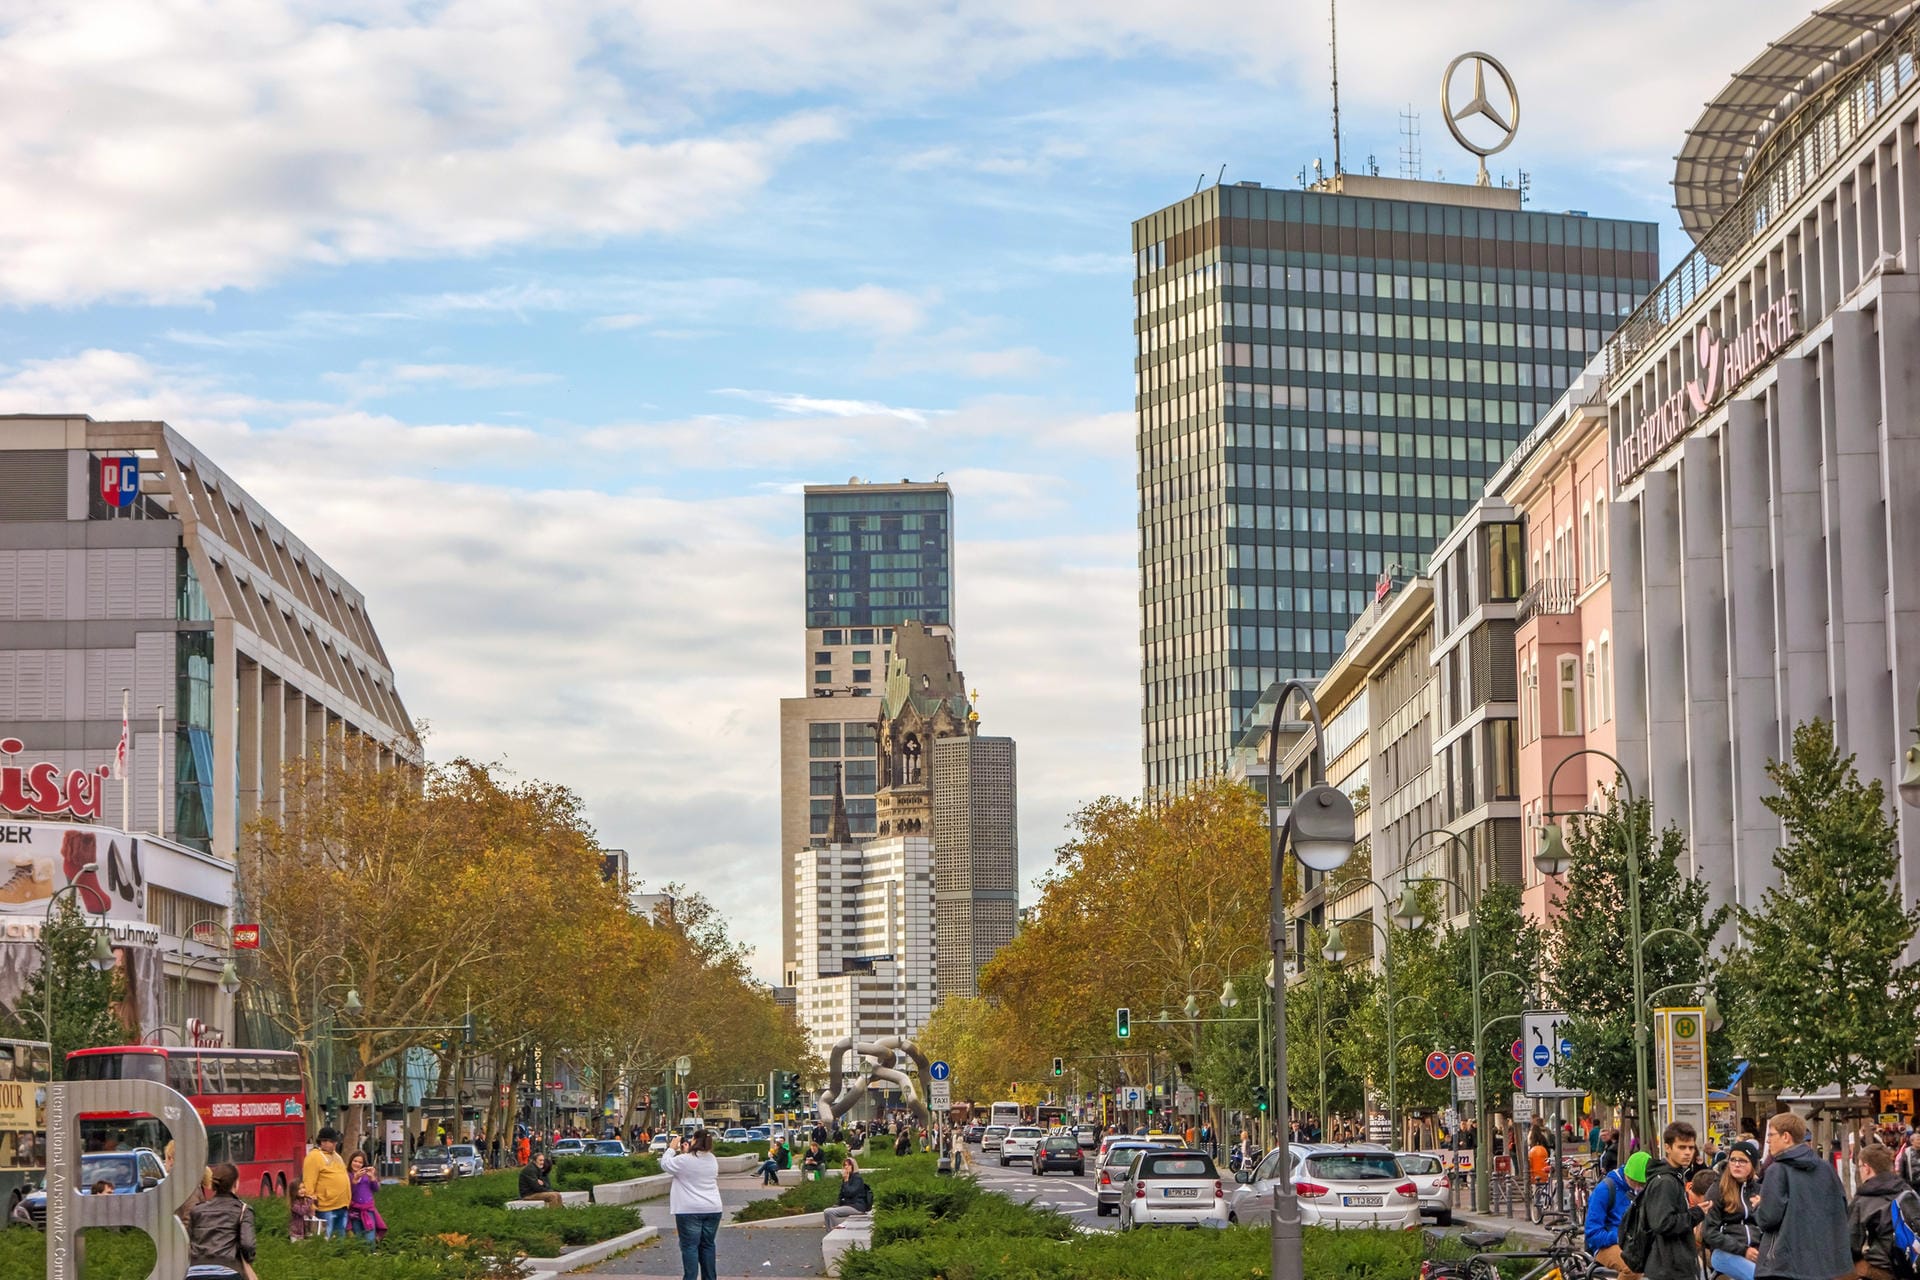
810 1218
594 1254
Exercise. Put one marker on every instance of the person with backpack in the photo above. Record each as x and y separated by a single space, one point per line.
1731 1238
1607 1211
1908 1164
1802 1214
1656 1239
1879 1251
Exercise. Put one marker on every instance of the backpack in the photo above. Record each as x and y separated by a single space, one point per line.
1636 1239
1906 1241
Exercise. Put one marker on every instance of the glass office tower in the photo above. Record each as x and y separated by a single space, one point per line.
878 554
1324 379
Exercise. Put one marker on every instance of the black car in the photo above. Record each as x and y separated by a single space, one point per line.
1059 1151
972 1132
434 1164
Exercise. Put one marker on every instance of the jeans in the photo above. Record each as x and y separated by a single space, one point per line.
699 1256
333 1222
769 1169
1736 1265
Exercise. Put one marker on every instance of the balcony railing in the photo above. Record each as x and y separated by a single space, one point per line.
1549 595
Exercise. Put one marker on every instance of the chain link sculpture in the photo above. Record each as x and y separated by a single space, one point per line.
843 1092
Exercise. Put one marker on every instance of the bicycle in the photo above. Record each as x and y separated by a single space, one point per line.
1562 1259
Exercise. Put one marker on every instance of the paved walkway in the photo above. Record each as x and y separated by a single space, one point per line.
780 1248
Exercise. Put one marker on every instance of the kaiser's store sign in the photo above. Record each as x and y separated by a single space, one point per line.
1721 366
39 789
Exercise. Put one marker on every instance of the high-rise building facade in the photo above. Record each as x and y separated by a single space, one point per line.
976 856
1324 381
876 555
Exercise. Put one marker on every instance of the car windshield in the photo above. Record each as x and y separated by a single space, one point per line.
1183 1165
996 1128
1024 1133
1121 1155
1420 1164
117 1169
609 1147
1354 1166
1062 1144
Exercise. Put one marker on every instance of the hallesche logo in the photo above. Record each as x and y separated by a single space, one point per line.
1721 367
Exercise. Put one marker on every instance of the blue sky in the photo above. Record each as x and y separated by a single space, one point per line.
532 319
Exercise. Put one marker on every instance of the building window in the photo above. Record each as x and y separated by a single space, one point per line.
823 677
1606 678
1569 694
821 657
832 637
862 635
823 740
1526 705
1593 691
1602 561
1586 545
863 657
864 675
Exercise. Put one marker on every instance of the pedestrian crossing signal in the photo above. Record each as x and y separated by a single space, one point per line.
1123 1023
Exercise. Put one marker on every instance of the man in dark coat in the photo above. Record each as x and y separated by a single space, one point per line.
1672 1253
1802 1214
1870 1216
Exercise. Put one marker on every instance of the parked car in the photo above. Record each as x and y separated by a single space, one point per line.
1336 1186
568 1147
433 1164
128 1171
992 1138
1431 1180
467 1160
759 1133
736 1135
972 1132
1112 1164
607 1147
1059 1151
1020 1143
1172 1188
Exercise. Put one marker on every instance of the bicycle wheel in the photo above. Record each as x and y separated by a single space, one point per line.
1537 1204
1580 1198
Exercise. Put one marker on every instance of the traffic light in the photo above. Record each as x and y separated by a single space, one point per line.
466 1029
1123 1023
1259 1097
787 1088
1059 1066
657 1099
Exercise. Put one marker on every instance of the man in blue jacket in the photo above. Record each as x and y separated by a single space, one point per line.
1607 1209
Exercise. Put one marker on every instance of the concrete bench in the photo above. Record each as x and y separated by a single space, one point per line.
853 1233
738 1164
568 1199
633 1190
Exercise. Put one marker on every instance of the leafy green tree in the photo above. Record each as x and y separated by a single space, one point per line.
84 997
1590 950
1510 944
1824 995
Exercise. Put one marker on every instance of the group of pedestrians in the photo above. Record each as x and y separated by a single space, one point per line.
1781 1213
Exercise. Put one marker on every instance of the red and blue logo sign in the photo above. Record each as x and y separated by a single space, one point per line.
119 481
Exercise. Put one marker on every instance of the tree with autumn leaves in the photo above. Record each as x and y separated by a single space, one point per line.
454 891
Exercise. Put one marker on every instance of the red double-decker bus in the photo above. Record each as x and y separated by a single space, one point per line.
251 1101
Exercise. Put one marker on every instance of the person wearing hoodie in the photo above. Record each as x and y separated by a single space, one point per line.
1607 1209
1870 1216
1731 1238
1672 1252
1802 1214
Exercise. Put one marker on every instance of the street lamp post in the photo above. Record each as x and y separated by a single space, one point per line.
229 981
1326 1024
1319 826
1334 952
101 960
1552 860
1910 773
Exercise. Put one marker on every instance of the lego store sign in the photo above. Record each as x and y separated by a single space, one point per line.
1722 364
41 791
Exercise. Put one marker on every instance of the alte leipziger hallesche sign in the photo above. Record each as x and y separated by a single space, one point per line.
1721 366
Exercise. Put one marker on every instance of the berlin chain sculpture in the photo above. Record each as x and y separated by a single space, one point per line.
843 1093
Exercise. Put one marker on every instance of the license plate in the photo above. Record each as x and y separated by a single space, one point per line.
1363 1202
1180 1193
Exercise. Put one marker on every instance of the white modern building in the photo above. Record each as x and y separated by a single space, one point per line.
1764 425
865 938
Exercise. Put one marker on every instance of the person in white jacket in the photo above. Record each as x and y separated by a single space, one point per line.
695 1203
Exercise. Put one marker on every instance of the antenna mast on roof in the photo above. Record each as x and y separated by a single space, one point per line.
1333 28
1410 143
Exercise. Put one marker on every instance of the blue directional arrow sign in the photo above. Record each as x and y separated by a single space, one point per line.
940 1071
1541 1055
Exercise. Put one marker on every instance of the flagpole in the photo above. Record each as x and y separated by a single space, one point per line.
124 765
160 771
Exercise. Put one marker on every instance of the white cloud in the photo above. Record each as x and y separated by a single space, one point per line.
376 378
868 309
796 402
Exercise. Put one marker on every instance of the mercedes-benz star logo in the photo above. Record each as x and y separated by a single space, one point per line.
1507 122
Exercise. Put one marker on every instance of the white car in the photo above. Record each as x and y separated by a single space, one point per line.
1172 1188
1020 1144
992 1138
1336 1186
1434 1183
569 1147
659 1143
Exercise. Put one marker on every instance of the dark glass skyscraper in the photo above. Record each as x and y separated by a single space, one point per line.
879 554
1324 381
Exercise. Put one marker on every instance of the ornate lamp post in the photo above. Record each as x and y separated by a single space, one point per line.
1320 829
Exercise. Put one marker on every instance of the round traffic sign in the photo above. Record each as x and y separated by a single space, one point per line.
1463 1064
1566 1049
693 1099
1437 1065
1514 1049
1541 1056
1519 1077
939 1071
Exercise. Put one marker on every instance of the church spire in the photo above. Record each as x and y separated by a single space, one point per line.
842 833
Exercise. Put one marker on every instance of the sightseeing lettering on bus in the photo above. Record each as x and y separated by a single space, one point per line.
251 1100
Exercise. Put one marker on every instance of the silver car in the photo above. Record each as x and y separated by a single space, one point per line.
992 1138
1435 1184
467 1160
1020 1144
1110 1185
1172 1187
1336 1187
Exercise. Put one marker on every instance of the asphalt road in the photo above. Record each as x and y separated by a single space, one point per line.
1070 1195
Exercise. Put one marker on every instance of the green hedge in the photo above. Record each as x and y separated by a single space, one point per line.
579 1173
128 1255
1235 1254
814 1197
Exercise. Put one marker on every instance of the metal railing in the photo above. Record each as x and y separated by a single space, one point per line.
1547 596
1786 166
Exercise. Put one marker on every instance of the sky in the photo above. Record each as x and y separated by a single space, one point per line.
532 319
